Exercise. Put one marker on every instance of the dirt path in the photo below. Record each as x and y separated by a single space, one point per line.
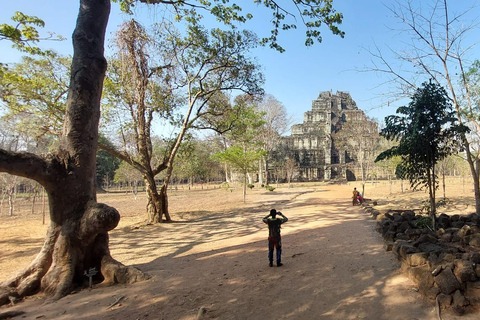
335 267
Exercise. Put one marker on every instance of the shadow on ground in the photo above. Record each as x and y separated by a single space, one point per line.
335 268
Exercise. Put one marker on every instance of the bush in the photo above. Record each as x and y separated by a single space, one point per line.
269 188
250 186
424 223
225 186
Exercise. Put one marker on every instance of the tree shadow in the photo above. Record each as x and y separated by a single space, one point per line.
335 268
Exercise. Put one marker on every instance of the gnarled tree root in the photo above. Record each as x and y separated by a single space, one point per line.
68 251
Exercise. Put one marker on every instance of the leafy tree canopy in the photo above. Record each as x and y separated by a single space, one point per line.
24 34
427 132
313 14
35 93
239 158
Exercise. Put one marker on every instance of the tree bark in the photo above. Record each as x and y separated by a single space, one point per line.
474 170
157 203
11 200
77 239
431 193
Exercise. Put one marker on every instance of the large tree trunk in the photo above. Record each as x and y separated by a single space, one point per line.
431 193
157 203
77 239
11 200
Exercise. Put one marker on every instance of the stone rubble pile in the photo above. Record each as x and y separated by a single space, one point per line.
445 265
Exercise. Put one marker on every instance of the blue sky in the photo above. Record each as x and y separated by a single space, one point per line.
294 77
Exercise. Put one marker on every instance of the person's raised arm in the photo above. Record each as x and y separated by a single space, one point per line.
284 219
265 219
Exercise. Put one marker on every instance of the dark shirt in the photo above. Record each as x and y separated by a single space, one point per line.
274 226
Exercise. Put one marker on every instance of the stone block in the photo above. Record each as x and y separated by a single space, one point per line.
447 282
475 257
408 215
477 270
464 271
389 236
422 276
388 245
425 238
406 250
444 300
444 221
447 257
446 237
397 217
474 240
458 224
459 300
401 236
388 216
417 259
403 227
430 247
432 293
464 231
472 292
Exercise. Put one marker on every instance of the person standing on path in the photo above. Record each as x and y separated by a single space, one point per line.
355 196
274 237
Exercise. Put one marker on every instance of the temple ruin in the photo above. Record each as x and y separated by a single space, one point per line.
312 144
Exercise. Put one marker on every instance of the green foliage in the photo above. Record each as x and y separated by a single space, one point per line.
24 34
426 206
238 122
213 60
269 188
424 223
313 14
34 92
225 186
239 158
427 132
472 80
194 161
106 163
250 186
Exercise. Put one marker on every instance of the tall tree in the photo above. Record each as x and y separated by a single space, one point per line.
439 49
240 126
78 234
200 65
428 132
242 160
276 123
77 238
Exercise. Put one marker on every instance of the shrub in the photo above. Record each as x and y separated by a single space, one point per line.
225 186
424 223
250 186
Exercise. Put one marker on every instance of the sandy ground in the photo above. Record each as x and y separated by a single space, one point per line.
213 259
